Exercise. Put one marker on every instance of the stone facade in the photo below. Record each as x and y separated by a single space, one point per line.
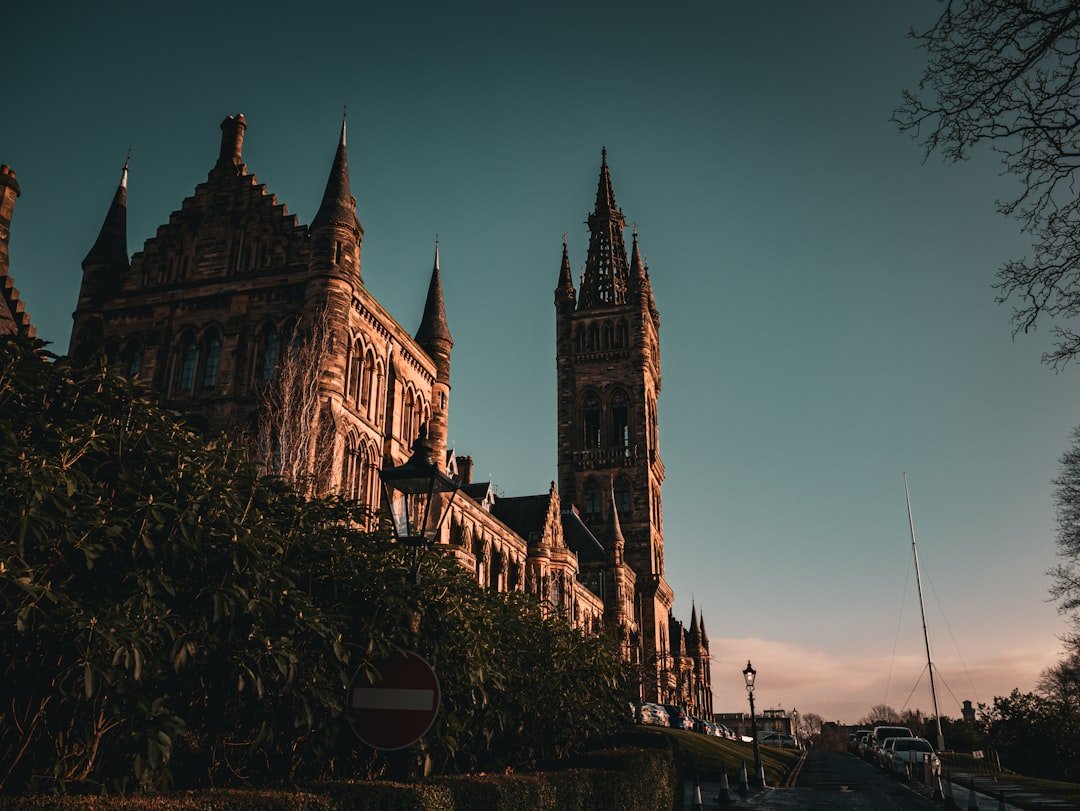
14 320
209 306
608 367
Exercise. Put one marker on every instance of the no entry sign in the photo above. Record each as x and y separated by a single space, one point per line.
399 707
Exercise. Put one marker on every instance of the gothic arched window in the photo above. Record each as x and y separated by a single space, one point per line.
591 499
188 356
622 497
268 357
624 334
212 362
620 422
590 420
353 365
131 359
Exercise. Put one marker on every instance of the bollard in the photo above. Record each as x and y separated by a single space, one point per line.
744 783
938 794
1001 801
973 803
695 803
724 797
761 777
950 798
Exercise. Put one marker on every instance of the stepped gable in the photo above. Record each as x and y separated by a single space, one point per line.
14 319
231 200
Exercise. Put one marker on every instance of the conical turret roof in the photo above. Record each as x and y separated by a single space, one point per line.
338 205
433 326
110 247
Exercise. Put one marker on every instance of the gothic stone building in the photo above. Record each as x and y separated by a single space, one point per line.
208 308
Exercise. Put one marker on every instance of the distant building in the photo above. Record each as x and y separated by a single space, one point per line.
210 305
779 721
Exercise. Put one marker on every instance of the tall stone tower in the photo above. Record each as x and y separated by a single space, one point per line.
608 360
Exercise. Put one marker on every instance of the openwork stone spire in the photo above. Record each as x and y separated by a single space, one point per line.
606 269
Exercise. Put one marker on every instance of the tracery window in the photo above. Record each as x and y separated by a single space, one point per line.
590 420
591 499
212 362
188 356
622 497
269 356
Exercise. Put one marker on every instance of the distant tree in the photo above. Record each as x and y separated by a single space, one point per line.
809 725
1006 74
1034 735
1061 682
1066 586
880 714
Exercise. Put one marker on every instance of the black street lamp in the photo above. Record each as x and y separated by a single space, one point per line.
415 493
749 674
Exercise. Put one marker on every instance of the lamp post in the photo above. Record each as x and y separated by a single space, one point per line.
749 674
414 495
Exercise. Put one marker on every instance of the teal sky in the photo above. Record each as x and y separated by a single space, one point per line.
827 314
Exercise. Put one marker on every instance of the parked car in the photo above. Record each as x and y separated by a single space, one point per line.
652 714
881 732
906 756
777 739
855 742
679 717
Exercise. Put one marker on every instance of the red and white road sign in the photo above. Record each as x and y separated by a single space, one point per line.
400 706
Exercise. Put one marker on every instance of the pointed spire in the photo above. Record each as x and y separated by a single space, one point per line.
639 280
338 205
616 527
110 248
433 327
704 636
692 631
565 293
605 279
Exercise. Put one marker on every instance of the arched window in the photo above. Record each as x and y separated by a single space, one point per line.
377 406
354 367
112 355
590 420
408 416
624 334
269 355
594 337
368 375
369 482
609 335
131 359
188 356
622 497
579 342
349 478
212 362
591 495
620 422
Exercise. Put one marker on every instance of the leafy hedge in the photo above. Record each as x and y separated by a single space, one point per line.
630 780
169 617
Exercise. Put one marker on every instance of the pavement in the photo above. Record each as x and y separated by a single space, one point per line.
833 781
